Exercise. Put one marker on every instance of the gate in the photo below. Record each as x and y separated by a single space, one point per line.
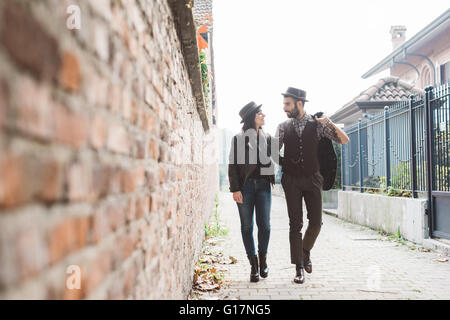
438 151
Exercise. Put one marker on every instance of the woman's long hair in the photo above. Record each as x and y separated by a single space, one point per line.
249 123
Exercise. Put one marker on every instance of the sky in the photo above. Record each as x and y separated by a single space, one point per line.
262 47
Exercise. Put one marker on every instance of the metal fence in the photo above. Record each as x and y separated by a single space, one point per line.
389 151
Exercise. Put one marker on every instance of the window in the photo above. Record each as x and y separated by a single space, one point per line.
426 77
445 72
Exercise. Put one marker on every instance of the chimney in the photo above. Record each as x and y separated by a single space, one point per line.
398 36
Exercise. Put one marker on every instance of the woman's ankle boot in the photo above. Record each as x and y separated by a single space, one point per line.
254 274
263 269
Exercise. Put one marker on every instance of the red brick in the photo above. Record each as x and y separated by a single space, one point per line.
115 180
163 153
152 178
154 149
128 244
154 202
31 252
141 147
71 127
79 182
115 98
126 105
138 87
142 206
96 89
34 109
3 103
82 230
101 180
52 181
134 113
69 73
62 240
157 82
180 217
97 269
150 124
116 216
130 279
102 92
98 132
131 210
118 140
150 97
99 225
12 181
162 176
129 180
28 43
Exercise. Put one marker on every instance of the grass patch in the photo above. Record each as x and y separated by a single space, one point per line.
397 237
215 228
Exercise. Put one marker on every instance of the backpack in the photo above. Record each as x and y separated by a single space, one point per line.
327 160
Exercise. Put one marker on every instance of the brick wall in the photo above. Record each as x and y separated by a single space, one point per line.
102 153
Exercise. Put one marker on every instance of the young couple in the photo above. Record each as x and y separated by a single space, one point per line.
251 173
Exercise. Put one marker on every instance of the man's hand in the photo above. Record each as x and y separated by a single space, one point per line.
341 135
237 196
323 120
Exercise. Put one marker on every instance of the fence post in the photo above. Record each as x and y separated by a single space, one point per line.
387 147
429 147
342 168
413 174
361 178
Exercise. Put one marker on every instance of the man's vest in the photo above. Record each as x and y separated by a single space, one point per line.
300 153
307 155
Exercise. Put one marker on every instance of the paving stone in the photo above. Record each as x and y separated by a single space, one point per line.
343 268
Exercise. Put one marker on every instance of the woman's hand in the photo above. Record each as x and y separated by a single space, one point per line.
237 196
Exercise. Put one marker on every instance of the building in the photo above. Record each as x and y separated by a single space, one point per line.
414 64
385 92
422 60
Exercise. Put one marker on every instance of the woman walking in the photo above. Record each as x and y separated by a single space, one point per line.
251 173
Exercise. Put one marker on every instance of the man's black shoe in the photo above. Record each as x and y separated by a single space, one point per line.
299 275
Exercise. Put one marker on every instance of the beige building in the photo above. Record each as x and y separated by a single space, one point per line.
422 60
414 64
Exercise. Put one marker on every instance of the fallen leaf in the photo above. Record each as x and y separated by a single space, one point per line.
208 287
442 259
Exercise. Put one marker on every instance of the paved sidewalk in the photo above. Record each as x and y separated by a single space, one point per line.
349 262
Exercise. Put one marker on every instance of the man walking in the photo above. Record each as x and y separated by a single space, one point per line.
301 178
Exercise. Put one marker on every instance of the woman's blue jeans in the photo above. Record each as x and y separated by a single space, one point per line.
257 197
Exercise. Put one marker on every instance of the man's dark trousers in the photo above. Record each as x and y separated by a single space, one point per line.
297 188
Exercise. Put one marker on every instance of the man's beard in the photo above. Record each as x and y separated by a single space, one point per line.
293 114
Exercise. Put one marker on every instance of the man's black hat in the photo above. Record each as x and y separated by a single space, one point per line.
248 110
295 93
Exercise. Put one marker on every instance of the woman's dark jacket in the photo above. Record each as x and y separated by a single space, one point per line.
240 168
